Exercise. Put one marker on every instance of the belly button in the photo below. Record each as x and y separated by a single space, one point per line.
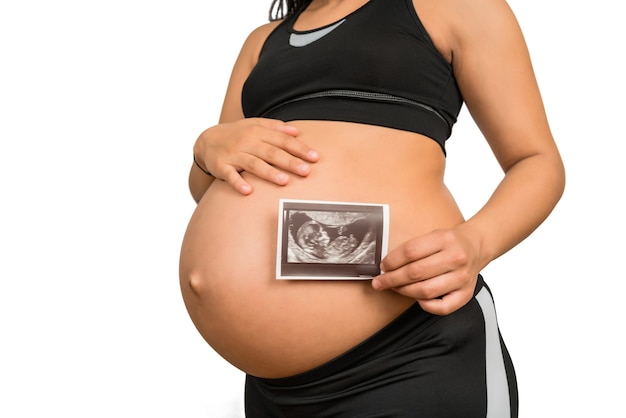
196 283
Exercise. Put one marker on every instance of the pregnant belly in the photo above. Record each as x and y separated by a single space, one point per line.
277 328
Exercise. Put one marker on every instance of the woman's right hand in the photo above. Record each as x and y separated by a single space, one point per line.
266 148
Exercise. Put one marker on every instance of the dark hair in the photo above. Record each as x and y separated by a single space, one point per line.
283 8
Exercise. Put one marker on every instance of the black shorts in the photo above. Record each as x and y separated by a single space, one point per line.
419 366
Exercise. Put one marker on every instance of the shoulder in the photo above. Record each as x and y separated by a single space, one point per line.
260 33
480 20
256 39
457 26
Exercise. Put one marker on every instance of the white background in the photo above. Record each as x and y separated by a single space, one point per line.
100 103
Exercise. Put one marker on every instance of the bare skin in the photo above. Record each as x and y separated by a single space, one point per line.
274 329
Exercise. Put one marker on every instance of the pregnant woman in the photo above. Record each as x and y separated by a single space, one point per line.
352 101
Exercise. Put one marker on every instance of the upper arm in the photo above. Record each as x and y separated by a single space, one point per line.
231 108
494 72
248 56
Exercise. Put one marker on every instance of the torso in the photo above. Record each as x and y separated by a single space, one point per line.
273 328
276 328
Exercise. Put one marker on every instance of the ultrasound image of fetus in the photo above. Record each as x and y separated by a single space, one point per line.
331 237
313 239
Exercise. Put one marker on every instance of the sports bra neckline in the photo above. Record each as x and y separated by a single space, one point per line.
296 16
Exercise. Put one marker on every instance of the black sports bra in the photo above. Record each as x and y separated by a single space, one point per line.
376 66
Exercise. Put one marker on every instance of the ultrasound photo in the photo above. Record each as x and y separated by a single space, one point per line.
330 240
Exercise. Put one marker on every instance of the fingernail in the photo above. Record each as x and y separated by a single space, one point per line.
304 168
245 189
376 284
313 155
282 178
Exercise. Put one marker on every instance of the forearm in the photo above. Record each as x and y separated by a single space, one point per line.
524 198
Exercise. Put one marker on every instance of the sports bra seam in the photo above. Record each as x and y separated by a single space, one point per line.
422 29
422 103
443 92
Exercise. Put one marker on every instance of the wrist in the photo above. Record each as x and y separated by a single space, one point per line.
472 235
203 169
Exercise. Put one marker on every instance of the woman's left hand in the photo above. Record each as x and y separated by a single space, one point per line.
439 270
